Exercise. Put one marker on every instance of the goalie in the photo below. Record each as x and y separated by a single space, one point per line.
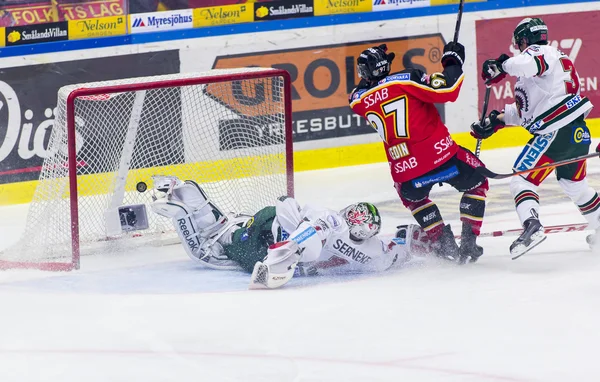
284 240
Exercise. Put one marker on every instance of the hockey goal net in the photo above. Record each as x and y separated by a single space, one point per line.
229 130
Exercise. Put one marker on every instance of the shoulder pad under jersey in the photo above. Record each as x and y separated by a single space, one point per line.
357 93
532 50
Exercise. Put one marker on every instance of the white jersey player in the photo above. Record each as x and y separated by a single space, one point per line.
283 240
549 105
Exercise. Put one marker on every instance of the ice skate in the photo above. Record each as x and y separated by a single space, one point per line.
469 250
445 246
593 240
533 234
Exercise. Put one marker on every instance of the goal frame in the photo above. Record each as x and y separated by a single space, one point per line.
111 89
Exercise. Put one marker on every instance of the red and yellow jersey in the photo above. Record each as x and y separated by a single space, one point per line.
401 108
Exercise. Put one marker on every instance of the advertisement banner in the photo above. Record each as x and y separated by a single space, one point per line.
333 7
33 34
322 79
283 9
227 14
2 36
100 27
53 11
581 44
28 96
390 5
161 21
446 2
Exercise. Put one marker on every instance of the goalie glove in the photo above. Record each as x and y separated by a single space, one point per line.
410 240
415 239
490 126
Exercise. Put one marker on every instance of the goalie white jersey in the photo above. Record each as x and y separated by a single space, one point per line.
547 95
327 248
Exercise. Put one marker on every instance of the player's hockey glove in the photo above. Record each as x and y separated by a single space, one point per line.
454 54
490 126
492 71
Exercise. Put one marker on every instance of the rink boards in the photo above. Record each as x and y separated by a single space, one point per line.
320 60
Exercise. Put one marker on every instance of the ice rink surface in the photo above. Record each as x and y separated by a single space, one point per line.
153 315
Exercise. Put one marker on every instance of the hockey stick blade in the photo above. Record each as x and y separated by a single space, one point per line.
492 175
578 227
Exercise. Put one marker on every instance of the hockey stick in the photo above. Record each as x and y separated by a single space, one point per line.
550 229
492 175
486 101
458 20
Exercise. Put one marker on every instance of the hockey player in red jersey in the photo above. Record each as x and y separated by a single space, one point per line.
419 148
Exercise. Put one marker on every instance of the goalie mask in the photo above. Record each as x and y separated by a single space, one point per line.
363 220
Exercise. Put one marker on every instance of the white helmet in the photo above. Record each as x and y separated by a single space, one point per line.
363 220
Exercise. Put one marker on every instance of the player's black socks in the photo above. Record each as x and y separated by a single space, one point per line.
428 215
472 207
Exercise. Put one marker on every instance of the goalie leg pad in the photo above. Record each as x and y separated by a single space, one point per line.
208 252
184 224
277 268
208 218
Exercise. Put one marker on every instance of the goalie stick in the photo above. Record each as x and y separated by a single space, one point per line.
492 175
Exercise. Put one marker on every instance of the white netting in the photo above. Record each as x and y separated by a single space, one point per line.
227 136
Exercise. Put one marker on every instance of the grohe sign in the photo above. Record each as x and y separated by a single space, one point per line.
322 78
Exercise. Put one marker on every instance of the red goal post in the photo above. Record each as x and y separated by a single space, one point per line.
228 129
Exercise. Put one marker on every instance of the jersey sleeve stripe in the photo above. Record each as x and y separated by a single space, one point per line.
541 64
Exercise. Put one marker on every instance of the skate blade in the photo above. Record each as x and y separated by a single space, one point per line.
517 250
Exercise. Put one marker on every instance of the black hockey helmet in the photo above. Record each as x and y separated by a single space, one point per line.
531 31
374 63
